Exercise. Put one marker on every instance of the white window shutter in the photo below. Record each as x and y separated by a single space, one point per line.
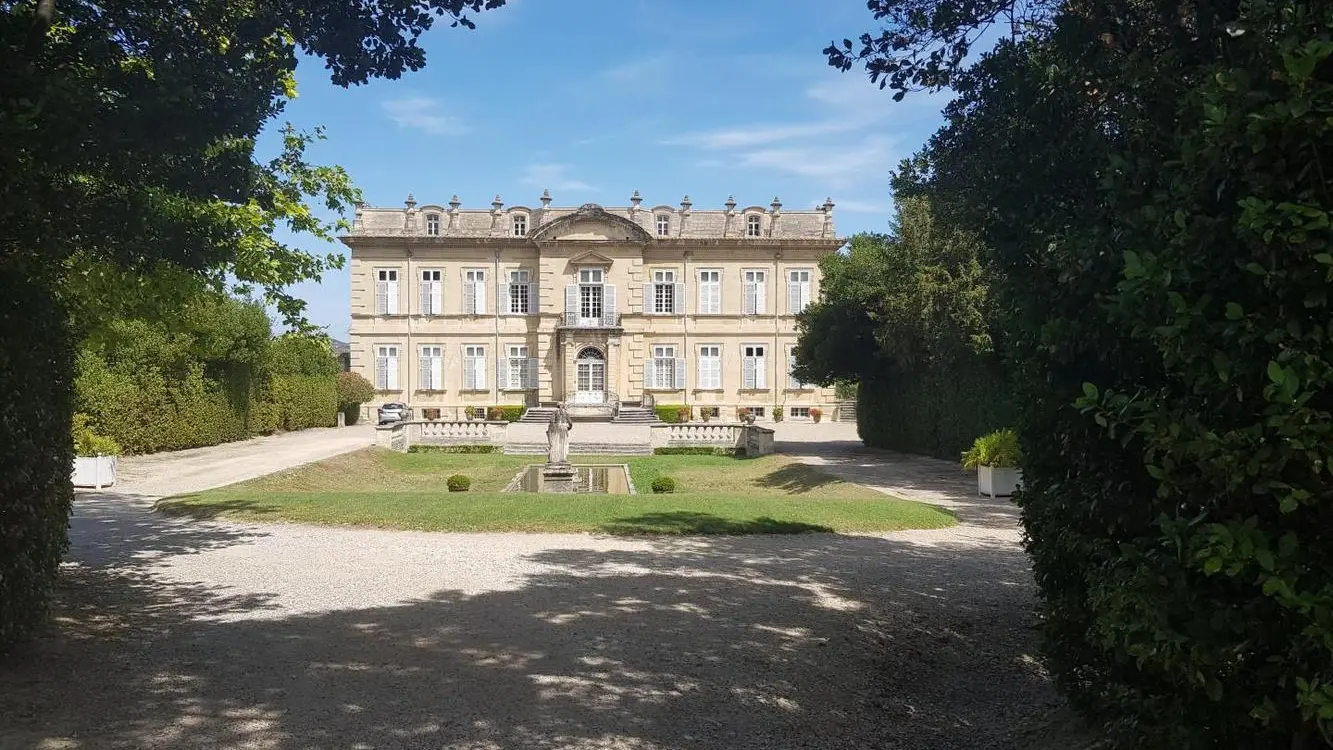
649 300
424 373
501 373
393 297
427 305
751 298
679 295
716 378
749 379
609 303
791 367
480 377
572 298
479 294
437 373
382 297
469 374
534 297
392 373
532 373
502 297
649 368
760 372
437 297
469 297
382 373
793 297
680 373
761 298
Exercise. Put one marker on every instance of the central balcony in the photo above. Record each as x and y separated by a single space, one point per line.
576 320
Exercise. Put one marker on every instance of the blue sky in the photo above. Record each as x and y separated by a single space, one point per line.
598 98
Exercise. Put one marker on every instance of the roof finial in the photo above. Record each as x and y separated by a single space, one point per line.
497 204
635 199
546 198
411 202
776 205
731 203
454 203
685 203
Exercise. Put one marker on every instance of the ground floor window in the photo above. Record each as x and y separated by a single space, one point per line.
711 412
800 412
757 411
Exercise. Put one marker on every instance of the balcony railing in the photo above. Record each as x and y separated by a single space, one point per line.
606 320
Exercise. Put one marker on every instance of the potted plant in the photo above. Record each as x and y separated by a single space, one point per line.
95 456
995 457
778 413
744 414
705 413
430 413
816 414
683 414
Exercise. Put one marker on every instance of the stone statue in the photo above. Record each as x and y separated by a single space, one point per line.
557 437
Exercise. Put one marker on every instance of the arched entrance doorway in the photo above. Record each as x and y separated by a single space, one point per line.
590 376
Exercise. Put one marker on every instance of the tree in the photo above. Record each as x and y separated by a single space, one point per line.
127 133
1147 180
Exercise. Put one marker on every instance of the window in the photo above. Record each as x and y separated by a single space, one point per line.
754 368
386 368
432 292
522 369
710 292
664 367
663 225
474 292
792 381
386 291
800 412
432 224
756 292
798 290
664 296
757 411
520 225
474 368
712 412
432 369
710 367
752 225
520 292
589 297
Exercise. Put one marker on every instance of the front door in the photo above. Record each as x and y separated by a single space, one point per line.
590 377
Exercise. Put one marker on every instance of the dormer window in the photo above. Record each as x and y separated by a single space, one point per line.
752 225
520 225
432 224
663 225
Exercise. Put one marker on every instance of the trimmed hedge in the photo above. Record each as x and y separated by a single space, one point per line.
458 483
511 413
693 451
36 451
305 400
663 485
934 411
670 413
455 449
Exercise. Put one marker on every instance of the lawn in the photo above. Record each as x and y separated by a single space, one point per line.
715 495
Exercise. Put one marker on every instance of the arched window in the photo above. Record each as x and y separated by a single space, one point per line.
591 352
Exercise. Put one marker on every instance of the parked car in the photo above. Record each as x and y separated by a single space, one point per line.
392 412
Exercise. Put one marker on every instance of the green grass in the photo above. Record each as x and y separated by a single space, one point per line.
716 495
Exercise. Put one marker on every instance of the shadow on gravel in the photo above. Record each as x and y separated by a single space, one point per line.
727 642
684 522
110 529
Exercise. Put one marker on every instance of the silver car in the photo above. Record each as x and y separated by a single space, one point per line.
393 412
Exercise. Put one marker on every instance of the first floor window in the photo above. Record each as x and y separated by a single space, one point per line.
710 366
663 299
386 291
432 368
520 292
754 367
386 367
756 292
792 380
522 369
710 292
798 290
432 292
474 292
474 368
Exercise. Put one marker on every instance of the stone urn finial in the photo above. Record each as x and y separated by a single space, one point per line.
546 198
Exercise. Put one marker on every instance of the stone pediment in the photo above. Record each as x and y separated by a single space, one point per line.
591 259
591 223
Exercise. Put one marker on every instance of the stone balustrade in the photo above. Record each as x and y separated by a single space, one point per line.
748 439
400 436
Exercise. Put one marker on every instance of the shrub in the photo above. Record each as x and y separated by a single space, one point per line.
663 485
87 442
816 414
305 400
742 413
353 391
844 390
265 417
455 449
513 413
998 449
693 450
458 483
36 456
778 413
706 413
474 412
673 413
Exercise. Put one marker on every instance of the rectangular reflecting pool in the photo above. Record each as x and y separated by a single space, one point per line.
598 479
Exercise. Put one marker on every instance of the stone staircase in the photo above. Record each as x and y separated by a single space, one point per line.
846 411
582 449
538 415
635 415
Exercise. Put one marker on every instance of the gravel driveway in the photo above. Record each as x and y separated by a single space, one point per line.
175 633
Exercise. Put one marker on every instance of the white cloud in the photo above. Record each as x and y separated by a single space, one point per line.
422 113
833 164
552 176
757 135
853 206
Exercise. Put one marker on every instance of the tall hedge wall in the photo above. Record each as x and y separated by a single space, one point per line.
36 453
936 411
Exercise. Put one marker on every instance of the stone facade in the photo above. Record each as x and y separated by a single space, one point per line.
590 305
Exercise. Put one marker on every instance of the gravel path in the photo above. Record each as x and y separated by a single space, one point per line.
173 633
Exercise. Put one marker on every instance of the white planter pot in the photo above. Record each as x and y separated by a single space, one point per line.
94 471
998 481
